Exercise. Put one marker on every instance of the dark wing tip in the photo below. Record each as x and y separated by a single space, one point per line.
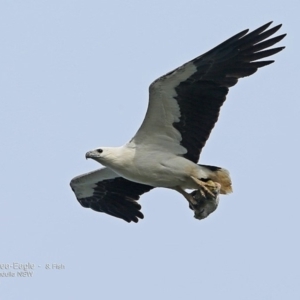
201 96
136 218
263 27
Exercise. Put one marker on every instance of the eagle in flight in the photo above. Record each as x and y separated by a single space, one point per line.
183 108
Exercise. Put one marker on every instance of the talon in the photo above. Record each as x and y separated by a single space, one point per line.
204 186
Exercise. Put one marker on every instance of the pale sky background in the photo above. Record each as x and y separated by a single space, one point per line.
75 76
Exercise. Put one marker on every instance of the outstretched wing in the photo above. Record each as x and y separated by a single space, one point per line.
184 104
105 191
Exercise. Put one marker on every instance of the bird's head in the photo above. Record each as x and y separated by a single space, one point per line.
104 155
99 154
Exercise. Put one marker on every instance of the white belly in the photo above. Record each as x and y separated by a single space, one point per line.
171 172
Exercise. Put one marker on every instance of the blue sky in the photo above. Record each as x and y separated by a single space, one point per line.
74 76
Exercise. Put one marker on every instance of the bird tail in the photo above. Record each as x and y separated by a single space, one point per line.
219 175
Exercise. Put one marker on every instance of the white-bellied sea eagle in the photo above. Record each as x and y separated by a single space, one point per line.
183 108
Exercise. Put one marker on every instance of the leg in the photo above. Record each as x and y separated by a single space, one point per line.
186 195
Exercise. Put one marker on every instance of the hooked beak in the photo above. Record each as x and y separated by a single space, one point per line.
90 154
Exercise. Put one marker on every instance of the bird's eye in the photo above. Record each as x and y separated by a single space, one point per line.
99 150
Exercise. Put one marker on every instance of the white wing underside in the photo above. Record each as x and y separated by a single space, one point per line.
157 130
84 184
